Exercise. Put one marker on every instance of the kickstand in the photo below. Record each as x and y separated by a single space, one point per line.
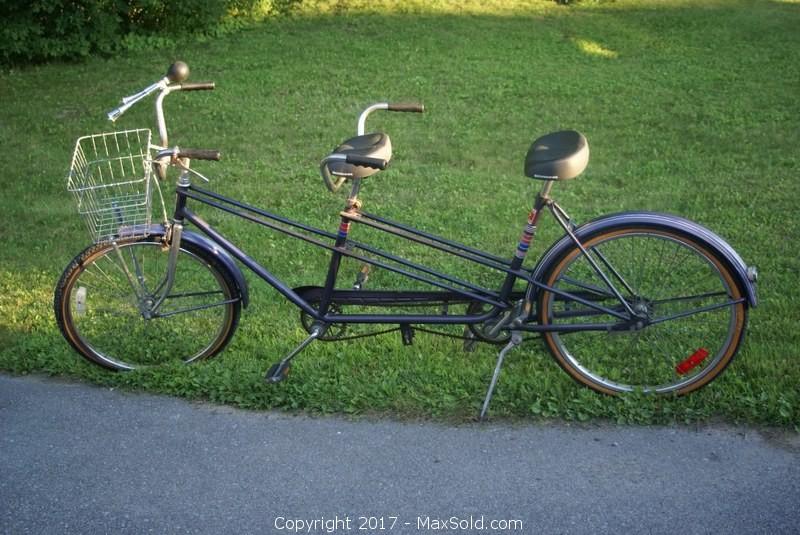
516 339
280 370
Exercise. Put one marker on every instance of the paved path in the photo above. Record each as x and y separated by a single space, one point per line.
82 459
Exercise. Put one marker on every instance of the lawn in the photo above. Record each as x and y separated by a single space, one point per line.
689 107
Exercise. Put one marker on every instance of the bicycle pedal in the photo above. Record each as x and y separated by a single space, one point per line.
277 372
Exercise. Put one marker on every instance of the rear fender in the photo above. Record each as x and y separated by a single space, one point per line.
745 276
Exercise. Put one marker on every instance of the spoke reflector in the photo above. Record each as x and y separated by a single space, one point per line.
80 300
696 358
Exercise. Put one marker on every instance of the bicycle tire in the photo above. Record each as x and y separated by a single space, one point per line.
98 313
674 356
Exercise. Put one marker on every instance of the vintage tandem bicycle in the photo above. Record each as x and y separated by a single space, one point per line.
633 301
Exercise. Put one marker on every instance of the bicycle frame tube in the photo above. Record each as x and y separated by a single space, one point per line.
481 295
558 214
342 246
182 213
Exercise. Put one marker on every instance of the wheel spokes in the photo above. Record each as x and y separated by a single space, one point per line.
113 323
684 307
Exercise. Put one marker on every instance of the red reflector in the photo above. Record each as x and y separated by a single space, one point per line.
696 358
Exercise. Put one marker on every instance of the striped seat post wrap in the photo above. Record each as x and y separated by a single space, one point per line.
344 228
527 235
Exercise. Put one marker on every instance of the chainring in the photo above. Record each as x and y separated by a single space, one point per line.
483 331
335 331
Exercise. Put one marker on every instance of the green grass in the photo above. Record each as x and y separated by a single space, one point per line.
689 107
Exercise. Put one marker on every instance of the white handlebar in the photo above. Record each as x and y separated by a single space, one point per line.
362 119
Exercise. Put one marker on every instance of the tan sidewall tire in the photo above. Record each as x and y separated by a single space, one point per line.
739 309
76 267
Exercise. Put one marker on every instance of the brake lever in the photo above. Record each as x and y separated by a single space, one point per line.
185 168
160 157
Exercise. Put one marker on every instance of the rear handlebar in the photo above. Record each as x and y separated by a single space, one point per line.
334 184
413 107
365 161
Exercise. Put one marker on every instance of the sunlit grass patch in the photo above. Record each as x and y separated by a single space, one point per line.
593 48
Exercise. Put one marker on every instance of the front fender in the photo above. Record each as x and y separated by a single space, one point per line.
206 244
745 277
224 258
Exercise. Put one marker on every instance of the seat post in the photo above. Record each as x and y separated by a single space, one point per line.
352 199
544 193
525 240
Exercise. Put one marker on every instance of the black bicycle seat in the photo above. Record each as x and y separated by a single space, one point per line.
375 145
557 156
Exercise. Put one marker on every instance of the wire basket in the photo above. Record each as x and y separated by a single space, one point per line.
110 179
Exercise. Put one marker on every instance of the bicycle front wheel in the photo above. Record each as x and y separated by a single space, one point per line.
104 305
692 309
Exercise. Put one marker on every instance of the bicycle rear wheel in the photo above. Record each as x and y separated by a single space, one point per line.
101 305
694 310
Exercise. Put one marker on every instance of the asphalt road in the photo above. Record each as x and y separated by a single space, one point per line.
76 458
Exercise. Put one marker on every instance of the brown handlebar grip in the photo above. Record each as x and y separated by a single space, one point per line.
198 86
199 154
413 107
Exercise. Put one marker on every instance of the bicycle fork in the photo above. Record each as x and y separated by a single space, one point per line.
174 241
148 302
